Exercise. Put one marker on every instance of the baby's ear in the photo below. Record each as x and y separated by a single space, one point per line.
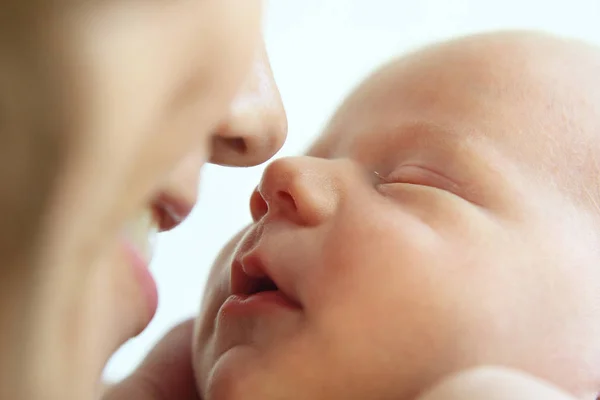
493 383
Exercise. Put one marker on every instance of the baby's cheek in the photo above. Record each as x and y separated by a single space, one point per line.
400 300
391 334
216 292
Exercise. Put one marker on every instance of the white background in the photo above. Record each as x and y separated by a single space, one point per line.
320 49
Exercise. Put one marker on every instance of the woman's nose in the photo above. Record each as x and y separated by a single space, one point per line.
256 127
303 190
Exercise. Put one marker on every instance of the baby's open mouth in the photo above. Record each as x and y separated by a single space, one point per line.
264 284
257 285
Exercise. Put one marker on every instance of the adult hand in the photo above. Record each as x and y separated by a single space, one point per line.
494 383
165 374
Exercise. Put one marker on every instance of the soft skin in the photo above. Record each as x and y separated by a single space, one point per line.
447 218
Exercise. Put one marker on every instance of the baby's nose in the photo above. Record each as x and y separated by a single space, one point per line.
256 127
300 189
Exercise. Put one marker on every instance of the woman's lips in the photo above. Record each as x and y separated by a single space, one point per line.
139 241
170 211
142 233
144 278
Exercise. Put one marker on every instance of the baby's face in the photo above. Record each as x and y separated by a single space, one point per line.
421 235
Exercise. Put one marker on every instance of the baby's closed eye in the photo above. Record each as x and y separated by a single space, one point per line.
420 175
413 174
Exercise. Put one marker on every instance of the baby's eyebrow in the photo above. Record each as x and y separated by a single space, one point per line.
446 145
389 143
429 134
394 143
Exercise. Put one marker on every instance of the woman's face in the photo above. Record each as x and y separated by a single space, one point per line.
156 90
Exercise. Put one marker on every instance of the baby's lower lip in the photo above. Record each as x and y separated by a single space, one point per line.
257 303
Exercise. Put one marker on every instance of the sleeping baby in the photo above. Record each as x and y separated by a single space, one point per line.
447 218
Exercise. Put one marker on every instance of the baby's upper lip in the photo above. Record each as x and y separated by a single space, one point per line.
251 273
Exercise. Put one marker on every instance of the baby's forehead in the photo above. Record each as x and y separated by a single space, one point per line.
533 97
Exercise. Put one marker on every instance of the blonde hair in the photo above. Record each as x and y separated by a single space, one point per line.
32 130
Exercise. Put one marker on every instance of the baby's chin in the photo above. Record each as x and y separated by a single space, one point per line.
278 366
242 372
229 375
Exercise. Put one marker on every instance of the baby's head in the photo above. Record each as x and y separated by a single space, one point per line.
447 218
